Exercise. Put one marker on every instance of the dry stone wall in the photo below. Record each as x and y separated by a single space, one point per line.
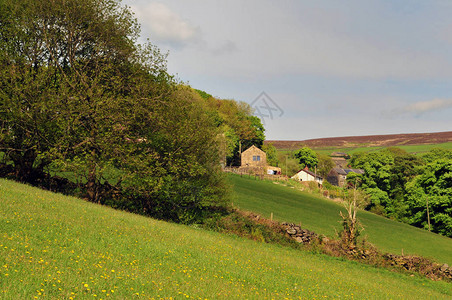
299 234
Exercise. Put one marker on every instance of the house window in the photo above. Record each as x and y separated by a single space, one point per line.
256 158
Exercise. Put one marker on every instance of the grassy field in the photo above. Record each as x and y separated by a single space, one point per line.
322 216
56 247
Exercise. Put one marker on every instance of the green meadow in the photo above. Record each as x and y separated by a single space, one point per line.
322 216
58 247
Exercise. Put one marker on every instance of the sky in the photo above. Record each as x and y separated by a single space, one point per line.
314 69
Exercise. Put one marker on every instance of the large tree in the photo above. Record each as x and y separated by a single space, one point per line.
324 165
77 91
65 67
307 157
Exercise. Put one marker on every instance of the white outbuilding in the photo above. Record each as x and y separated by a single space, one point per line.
306 175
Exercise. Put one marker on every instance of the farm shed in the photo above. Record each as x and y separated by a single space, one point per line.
306 175
273 170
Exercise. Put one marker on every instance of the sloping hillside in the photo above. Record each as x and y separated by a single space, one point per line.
56 247
367 141
322 216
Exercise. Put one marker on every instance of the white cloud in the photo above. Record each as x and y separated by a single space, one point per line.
427 106
166 26
277 42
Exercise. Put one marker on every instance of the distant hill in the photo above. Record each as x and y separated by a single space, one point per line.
367 141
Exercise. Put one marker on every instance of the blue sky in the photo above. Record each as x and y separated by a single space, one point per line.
334 68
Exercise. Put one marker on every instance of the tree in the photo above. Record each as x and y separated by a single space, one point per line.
26 91
352 228
404 169
435 186
66 64
324 165
307 157
79 94
408 188
176 172
289 165
435 154
270 150
377 167
258 136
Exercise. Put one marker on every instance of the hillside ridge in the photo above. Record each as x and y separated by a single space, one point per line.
368 140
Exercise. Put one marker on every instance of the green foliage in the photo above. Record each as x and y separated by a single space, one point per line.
288 163
377 168
231 140
79 95
324 165
63 73
203 94
399 183
258 134
435 154
307 157
433 188
272 158
244 225
239 129
378 199
406 167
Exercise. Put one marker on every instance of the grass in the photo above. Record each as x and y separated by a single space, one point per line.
57 247
322 216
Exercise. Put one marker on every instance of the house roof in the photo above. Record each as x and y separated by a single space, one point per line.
357 171
253 148
341 171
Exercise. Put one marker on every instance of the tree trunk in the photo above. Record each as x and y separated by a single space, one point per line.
23 166
92 186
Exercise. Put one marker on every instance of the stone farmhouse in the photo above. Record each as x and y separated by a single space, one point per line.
338 176
254 160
